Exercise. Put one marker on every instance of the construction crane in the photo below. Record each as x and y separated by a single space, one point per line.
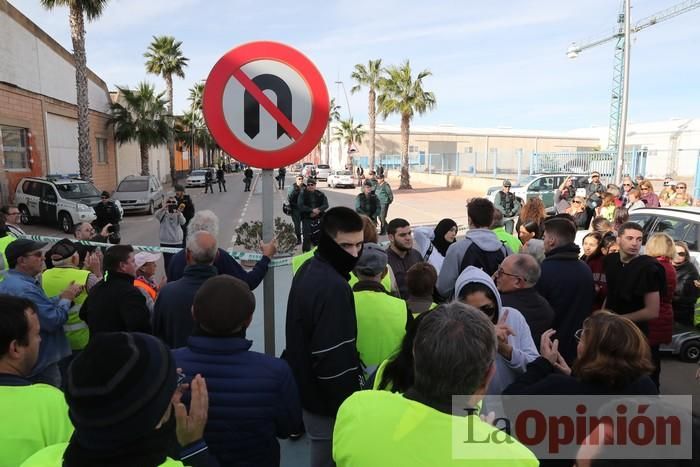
621 34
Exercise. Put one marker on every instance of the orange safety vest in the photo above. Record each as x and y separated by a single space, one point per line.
150 290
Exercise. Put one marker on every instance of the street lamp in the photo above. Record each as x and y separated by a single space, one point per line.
347 101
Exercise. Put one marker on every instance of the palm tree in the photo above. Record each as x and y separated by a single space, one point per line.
404 95
196 95
369 76
164 57
333 115
143 117
349 133
77 11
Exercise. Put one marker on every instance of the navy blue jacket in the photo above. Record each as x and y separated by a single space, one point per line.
224 264
172 312
253 399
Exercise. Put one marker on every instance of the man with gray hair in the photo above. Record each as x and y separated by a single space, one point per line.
515 280
224 263
454 355
172 313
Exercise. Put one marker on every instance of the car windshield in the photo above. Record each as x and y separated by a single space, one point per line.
343 172
323 166
77 190
526 180
133 185
198 173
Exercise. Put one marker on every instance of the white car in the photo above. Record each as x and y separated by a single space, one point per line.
323 171
341 178
196 178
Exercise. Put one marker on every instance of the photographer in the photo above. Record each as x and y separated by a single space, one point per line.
171 221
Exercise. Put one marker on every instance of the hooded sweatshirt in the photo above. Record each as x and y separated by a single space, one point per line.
452 265
524 349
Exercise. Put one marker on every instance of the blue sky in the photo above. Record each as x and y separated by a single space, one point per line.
500 63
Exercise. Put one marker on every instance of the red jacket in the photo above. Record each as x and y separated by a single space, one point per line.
601 287
661 328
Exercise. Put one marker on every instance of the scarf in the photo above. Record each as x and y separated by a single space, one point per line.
441 229
339 259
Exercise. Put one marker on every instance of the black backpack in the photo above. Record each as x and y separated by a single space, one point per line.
487 261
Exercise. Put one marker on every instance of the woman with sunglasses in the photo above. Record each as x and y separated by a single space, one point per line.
648 196
579 212
515 345
686 293
612 357
681 198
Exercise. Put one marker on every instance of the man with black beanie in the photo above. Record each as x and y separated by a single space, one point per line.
120 390
321 329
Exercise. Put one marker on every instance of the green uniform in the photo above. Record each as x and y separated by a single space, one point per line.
381 325
4 241
384 429
53 457
509 240
56 280
33 417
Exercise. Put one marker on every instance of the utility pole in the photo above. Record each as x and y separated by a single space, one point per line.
620 163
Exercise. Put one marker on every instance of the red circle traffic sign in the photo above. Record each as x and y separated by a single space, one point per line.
249 100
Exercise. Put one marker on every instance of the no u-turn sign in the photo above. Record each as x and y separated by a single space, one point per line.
266 104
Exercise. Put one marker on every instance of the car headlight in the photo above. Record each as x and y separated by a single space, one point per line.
84 208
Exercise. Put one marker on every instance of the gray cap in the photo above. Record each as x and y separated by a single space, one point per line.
506 182
372 261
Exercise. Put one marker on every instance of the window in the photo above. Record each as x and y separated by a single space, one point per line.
31 188
102 150
49 194
543 184
77 190
14 147
468 149
133 186
678 229
412 149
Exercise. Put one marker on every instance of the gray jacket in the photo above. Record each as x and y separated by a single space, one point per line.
170 226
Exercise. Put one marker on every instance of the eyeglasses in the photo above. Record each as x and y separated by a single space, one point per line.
678 188
500 271
578 334
577 202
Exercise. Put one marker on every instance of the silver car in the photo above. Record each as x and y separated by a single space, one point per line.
323 171
140 193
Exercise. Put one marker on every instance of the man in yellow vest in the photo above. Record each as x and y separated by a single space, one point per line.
381 318
455 352
33 415
65 258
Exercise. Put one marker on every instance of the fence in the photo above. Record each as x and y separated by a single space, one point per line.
602 162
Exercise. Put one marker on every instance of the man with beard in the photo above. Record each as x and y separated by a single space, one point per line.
321 329
401 253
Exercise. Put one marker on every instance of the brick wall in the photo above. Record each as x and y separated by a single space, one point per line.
25 109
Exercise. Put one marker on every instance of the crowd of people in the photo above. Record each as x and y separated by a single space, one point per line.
108 366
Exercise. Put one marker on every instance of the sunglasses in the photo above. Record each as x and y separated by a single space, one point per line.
681 187
626 184
577 202
489 310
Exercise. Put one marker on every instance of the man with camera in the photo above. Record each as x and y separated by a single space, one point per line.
171 221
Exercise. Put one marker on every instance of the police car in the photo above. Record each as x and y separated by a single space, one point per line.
57 200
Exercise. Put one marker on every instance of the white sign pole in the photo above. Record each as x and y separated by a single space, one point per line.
269 282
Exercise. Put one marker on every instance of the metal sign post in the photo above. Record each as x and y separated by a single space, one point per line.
269 282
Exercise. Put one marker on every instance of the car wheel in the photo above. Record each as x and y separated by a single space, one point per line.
24 216
151 208
65 222
690 351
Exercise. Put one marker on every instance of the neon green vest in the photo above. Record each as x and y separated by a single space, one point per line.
696 315
53 457
381 325
54 281
33 417
380 374
4 241
412 434
300 259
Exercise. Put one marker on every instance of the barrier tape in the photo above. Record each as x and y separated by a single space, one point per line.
277 261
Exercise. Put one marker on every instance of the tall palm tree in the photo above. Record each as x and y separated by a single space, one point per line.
333 116
196 96
78 10
349 133
164 57
143 117
369 76
404 95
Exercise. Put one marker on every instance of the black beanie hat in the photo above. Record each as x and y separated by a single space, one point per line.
119 388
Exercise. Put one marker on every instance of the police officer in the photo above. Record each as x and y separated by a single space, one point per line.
508 204
367 203
312 204
292 198
107 212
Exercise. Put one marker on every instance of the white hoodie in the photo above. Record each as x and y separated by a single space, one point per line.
524 349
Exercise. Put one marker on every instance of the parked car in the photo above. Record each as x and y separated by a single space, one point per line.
542 185
681 223
685 344
62 201
140 193
306 169
323 171
341 178
196 178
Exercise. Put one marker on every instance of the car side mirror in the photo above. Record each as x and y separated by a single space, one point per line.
153 189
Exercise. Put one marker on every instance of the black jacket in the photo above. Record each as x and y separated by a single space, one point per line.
188 212
115 305
536 310
172 312
567 284
307 201
107 213
321 331
686 293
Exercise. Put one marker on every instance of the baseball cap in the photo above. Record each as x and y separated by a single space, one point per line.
310 181
21 247
104 194
506 183
367 183
143 257
63 249
372 261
